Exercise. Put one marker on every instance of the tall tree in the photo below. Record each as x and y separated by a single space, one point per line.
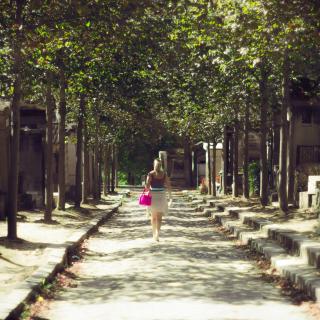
49 149
86 163
214 173
78 173
246 153
263 86
62 136
283 197
235 191
17 43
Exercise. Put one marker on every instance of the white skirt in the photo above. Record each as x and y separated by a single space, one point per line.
159 203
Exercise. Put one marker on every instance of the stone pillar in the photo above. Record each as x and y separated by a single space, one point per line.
195 181
205 147
163 155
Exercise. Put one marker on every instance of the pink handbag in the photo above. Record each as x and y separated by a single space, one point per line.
145 198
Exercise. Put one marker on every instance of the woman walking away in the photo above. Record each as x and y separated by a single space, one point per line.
157 183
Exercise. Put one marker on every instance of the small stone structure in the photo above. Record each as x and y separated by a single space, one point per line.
31 188
308 199
173 163
32 156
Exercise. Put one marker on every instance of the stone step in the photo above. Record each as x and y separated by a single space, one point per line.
220 206
184 209
180 205
208 199
196 202
243 232
294 268
239 230
257 222
294 242
295 256
210 212
239 213
202 207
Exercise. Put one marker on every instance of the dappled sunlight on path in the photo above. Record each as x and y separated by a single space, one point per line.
192 273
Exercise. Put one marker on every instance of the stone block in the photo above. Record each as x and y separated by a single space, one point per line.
303 200
313 200
313 181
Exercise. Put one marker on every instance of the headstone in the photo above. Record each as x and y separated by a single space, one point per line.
312 183
303 200
164 159
316 200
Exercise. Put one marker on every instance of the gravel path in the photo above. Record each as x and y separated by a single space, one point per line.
192 273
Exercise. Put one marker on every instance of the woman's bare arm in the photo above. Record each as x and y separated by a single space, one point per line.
148 182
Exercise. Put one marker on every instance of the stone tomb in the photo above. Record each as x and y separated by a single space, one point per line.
307 199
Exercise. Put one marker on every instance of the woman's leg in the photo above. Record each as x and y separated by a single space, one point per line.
158 224
154 223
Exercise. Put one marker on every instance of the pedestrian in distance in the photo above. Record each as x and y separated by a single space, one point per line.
158 183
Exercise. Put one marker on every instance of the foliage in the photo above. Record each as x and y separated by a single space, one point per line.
122 178
152 69
254 177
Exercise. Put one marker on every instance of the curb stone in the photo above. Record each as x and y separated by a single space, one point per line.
15 301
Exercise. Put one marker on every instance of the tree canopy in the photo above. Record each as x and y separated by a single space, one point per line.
153 68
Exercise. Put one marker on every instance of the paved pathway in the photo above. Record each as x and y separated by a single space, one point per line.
192 273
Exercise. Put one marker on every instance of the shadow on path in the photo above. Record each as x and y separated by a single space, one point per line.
192 273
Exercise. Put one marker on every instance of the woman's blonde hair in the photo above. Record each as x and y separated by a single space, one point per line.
157 164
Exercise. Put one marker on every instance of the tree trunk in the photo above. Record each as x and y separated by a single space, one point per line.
283 199
78 189
187 163
109 150
246 154
214 173
96 190
86 163
100 173
15 127
235 191
62 135
209 169
271 157
116 180
224 181
49 151
231 154
263 86
290 158
106 170
113 168
92 172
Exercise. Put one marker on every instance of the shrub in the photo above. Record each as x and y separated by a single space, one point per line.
122 178
254 177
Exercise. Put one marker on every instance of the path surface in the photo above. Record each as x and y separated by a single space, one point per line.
192 273
18 261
